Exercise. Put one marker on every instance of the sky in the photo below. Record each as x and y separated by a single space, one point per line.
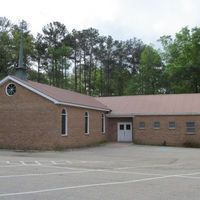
122 19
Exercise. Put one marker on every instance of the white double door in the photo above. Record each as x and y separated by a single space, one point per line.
124 133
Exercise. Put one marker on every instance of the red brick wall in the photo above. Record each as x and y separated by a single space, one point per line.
29 121
174 137
112 127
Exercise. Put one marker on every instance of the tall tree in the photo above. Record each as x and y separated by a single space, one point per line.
5 47
181 56
40 51
149 78
54 35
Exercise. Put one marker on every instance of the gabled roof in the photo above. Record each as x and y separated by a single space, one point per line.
59 96
165 104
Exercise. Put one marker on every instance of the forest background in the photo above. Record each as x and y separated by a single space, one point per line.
98 65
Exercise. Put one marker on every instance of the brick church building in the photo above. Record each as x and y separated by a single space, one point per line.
39 116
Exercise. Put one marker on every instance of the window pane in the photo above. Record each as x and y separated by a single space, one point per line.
172 125
190 126
86 122
190 130
141 125
156 124
63 124
103 123
121 127
128 127
63 111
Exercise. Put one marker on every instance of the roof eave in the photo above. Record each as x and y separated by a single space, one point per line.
121 115
57 102
83 106
112 115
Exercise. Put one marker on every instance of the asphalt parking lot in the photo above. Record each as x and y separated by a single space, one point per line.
111 171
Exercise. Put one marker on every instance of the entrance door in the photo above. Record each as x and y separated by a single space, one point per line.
124 132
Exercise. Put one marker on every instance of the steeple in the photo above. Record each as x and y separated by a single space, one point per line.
21 69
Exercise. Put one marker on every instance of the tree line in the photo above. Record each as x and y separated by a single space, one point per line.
89 63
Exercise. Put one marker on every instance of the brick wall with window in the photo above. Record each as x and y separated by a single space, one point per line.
174 130
29 121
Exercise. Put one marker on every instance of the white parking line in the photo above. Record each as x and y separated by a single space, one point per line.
44 174
126 172
18 165
37 162
85 186
60 167
97 184
22 162
103 170
147 166
192 177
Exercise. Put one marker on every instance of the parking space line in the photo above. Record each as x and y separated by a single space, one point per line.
43 174
18 165
86 186
103 170
127 172
60 167
22 162
146 166
37 162
96 185
192 177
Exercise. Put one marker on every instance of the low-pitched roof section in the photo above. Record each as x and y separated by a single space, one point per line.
165 104
58 95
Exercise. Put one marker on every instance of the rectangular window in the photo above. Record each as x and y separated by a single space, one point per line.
121 127
156 125
172 125
63 125
64 122
128 127
86 122
103 123
190 127
142 125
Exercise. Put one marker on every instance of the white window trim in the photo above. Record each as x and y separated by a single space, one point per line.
88 123
103 117
7 87
66 123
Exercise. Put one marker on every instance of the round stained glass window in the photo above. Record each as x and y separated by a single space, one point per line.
11 89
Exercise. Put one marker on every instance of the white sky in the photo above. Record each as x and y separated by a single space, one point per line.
122 19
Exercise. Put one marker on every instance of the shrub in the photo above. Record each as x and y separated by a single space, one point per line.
191 144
